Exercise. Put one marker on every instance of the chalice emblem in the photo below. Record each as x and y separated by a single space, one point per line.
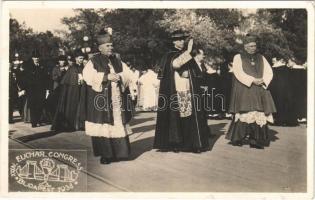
47 166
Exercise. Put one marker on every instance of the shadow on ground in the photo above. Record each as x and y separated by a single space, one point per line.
141 146
272 135
143 129
136 121
36 136
216 132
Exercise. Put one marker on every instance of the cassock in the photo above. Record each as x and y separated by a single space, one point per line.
181 121
66 117
107 106
298 80
282 93
252 105
57 75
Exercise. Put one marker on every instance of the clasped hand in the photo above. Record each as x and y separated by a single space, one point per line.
258 81
113 77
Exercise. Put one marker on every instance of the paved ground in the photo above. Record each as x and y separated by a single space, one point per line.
279 168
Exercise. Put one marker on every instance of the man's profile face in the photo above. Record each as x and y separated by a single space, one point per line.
179 44
250 47
200 56
106 48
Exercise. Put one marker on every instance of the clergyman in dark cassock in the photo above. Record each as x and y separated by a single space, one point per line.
36 86
57 74
107 102
66 117
298 83
251 102
181 119
282 93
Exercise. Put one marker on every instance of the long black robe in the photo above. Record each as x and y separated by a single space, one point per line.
282 93
189 133
298 80
66 117
52 100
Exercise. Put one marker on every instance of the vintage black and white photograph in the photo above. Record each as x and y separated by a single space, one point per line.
197 99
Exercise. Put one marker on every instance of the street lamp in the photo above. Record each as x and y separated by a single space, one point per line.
85 38
85 49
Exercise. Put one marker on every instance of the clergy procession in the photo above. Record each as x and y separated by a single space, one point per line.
100 94
169 99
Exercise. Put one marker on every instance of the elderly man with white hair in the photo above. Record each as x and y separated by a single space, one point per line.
108 103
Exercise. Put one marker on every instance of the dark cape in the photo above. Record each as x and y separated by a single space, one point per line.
66 117
173 132
52 100
282 92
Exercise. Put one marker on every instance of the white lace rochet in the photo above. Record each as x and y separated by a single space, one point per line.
259 118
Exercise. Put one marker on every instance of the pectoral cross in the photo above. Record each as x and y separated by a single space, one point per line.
252 62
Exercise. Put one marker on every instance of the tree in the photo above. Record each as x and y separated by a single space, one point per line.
293 23
23 41
86 22
214 35
137 35
141 36
271 39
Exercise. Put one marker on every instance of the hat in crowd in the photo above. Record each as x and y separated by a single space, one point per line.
249 38
35 53
104 36
62 57
179 34
78 53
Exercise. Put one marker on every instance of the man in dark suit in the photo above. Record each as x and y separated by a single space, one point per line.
36 86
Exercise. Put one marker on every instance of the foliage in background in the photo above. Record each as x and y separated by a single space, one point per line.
23 41
271 39
141 36
293 24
